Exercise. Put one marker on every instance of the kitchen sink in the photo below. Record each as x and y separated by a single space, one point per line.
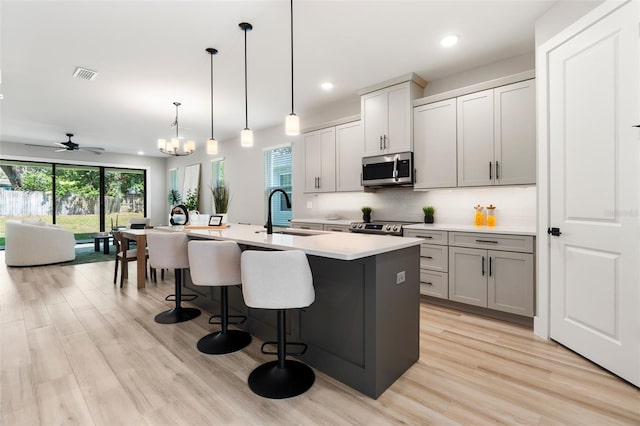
296 232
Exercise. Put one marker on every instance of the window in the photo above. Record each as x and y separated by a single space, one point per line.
173 179
217 172
277 175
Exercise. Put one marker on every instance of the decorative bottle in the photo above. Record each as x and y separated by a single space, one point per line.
479 217
491 219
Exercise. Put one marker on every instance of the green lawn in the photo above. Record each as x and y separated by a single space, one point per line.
83 226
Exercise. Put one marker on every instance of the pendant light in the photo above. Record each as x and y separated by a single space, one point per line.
292 122
173 146
246 136
212 143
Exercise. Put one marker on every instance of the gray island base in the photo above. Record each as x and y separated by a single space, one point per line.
363 328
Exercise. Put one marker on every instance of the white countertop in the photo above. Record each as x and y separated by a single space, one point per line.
512 230
335 245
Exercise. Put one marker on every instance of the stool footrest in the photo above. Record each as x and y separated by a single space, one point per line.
232 319
184 298
299 344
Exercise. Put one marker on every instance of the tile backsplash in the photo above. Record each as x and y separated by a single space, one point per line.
515 206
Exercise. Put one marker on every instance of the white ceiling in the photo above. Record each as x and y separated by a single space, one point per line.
151 53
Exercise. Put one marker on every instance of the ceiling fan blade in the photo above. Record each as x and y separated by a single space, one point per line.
61 150
60 144
95 150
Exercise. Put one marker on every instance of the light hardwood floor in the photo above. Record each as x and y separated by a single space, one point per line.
75 349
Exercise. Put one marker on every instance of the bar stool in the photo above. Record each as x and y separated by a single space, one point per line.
169 250
278 280
217 264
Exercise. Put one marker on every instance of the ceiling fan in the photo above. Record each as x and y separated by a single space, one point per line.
72 146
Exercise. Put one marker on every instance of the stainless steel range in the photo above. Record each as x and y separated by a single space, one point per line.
379 227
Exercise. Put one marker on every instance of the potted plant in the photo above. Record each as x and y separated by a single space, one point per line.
428 213
191 203
174 197
221 198
366 214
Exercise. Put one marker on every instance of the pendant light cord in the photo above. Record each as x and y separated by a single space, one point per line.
246 106
211 94
292 110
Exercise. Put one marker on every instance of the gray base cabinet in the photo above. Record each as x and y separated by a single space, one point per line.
434 262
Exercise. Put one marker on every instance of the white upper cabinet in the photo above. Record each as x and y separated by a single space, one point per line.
349 153
434 144
475 139
320 157
496 136
387 118
515 133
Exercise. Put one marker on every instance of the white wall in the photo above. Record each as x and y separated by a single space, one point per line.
156 170
561 15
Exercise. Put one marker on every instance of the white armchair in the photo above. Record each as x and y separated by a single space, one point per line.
33 242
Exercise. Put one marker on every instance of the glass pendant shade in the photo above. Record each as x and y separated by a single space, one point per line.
162 144
246 138
212 146
292 125
175 144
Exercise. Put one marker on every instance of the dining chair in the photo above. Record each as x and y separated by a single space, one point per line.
123 256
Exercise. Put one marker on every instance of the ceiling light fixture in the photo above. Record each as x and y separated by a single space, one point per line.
292 122
327 85
173 146
212 143
449 41
246 135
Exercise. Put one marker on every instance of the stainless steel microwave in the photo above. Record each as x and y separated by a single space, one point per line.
388 170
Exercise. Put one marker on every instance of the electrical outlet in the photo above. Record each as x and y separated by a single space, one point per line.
400 277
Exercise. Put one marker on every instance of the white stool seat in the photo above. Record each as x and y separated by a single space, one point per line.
278 280
168 250
217 263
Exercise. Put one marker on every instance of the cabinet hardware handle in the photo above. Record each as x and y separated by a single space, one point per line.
428 257
380 143
636 125
483 266
497 171
429 283
490 174
385 141
490 259
554 231
304 227
429 237
486 241
318 182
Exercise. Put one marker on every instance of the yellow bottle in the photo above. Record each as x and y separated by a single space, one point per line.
479 217
491 219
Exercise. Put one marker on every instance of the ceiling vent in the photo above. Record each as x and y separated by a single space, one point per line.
84 73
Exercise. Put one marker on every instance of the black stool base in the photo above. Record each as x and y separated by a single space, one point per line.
175 315
223 343
272 382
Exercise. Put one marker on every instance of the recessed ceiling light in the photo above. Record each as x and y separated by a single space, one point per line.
140 153
327 85
449 41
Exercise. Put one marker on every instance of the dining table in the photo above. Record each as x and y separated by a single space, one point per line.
140 237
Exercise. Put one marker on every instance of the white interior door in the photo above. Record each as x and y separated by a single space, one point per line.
594 185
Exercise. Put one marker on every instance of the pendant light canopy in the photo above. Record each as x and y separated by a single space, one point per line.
292 122
173 146
212 143
246 136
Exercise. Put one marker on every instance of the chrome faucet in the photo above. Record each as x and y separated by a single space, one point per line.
269 225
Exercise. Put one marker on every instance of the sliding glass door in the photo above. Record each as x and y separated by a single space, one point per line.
83 199
25 192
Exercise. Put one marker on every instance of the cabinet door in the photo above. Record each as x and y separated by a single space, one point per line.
349 153
374 108
468 276
397 138
307 225
312 152
515 134
510 282
475 139
434 284
434 145
327 177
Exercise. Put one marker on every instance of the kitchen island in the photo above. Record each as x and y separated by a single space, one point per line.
363 328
